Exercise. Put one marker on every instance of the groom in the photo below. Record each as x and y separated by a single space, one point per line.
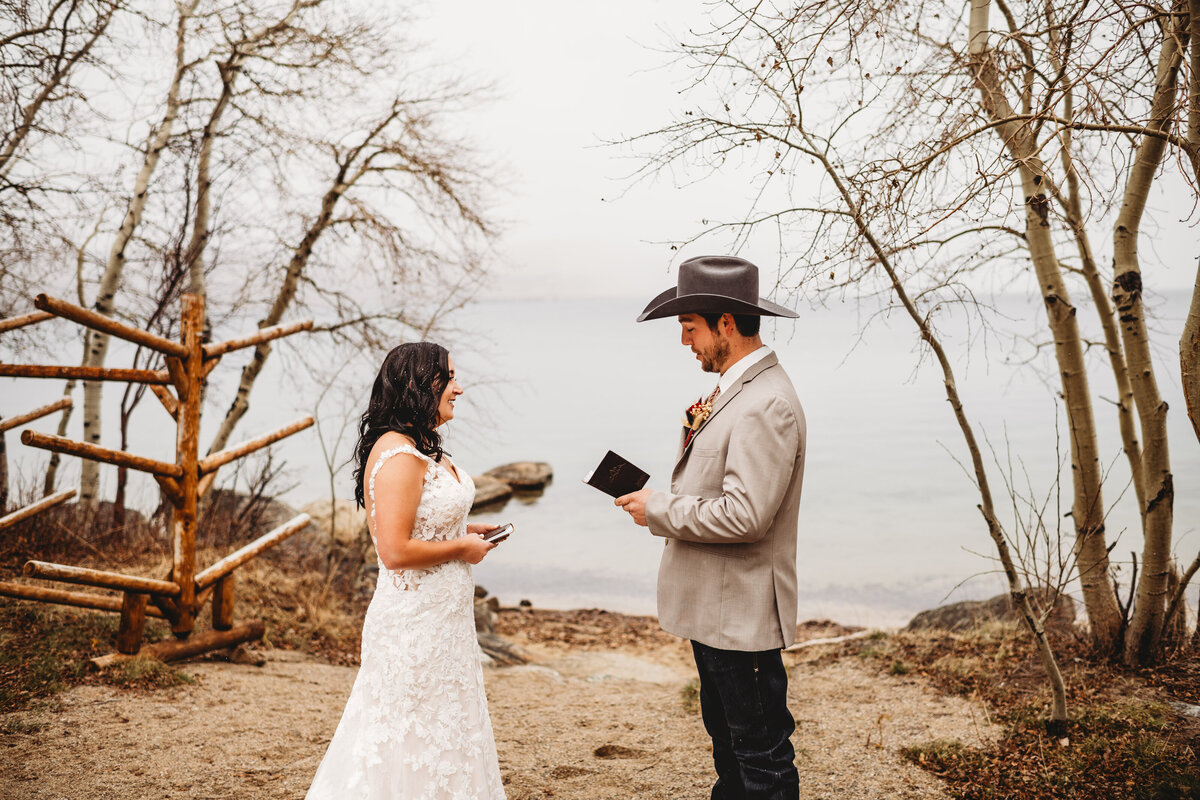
727 580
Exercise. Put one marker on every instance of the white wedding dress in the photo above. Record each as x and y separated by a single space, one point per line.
416 726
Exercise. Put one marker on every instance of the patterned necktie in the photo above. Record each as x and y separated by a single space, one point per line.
712 398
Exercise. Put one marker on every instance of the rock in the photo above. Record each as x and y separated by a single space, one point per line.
485 660
485 618
489 491
524 603
350 521
523 475
504 652
480 591
963 615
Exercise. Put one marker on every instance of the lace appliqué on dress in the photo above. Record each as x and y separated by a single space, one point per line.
416 725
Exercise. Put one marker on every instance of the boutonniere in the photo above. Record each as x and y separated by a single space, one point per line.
694 417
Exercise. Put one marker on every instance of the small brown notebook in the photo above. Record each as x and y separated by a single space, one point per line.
616 476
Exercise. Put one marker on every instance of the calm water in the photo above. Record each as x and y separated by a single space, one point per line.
888 522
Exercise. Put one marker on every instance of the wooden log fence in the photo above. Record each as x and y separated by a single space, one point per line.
238 557
12 323
223 457
37 413
179 388
95 602
60 444
264 335
99 578
34 509
99 322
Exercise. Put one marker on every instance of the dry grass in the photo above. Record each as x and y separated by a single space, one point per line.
1124 742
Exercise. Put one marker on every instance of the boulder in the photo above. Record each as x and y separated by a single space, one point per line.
350 521
523 475
489 490
966 614
502 651
485 618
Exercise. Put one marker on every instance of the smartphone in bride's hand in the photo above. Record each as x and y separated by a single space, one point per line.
500 534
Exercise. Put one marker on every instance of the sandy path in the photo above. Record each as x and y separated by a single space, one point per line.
247 732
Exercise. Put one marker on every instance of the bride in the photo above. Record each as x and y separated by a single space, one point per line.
416 725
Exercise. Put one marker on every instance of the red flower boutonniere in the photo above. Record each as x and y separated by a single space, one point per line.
694 417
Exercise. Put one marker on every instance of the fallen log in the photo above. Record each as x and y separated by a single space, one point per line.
192 646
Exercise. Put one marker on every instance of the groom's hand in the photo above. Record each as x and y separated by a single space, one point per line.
635 504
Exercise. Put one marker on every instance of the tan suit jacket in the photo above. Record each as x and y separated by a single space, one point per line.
728 572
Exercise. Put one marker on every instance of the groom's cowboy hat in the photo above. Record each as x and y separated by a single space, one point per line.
714 285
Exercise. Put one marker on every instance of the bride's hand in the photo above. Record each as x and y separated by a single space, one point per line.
474 548
481 527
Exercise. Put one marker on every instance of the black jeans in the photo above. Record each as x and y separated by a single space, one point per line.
743 699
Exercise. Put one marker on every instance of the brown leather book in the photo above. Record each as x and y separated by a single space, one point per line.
616 476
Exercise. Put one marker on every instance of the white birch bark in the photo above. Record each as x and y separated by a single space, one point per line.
1189 341
283 300
1017 590
1088 504
1146 623
1091 274
96 348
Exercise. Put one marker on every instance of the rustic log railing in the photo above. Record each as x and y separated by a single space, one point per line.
179 388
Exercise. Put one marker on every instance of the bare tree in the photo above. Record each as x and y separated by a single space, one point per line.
291 162
398 154
96 349
969 151
43 46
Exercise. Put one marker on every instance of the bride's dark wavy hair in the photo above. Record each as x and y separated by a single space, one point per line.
404 398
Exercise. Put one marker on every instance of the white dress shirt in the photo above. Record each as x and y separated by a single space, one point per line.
734 373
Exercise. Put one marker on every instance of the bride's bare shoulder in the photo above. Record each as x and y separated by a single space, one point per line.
403 462
389 440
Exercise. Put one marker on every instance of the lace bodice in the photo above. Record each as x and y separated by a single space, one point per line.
441 514
416 725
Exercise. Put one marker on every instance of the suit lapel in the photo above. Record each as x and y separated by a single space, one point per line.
724 399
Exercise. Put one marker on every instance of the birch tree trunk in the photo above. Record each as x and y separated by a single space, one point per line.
1189 341
1145 626
3 473
1189 357
1095 283
1017 591
229 71
1088 506
351 167
96 348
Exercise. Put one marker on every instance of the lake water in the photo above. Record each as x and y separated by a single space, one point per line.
888 520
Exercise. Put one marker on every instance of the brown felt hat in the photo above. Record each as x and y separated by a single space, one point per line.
714 285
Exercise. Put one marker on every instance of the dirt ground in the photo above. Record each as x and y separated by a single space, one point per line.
590 718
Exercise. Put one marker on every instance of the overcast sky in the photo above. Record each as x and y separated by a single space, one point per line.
569 76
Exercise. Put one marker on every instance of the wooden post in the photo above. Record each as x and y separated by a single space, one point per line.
187 455
133 622
222 607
